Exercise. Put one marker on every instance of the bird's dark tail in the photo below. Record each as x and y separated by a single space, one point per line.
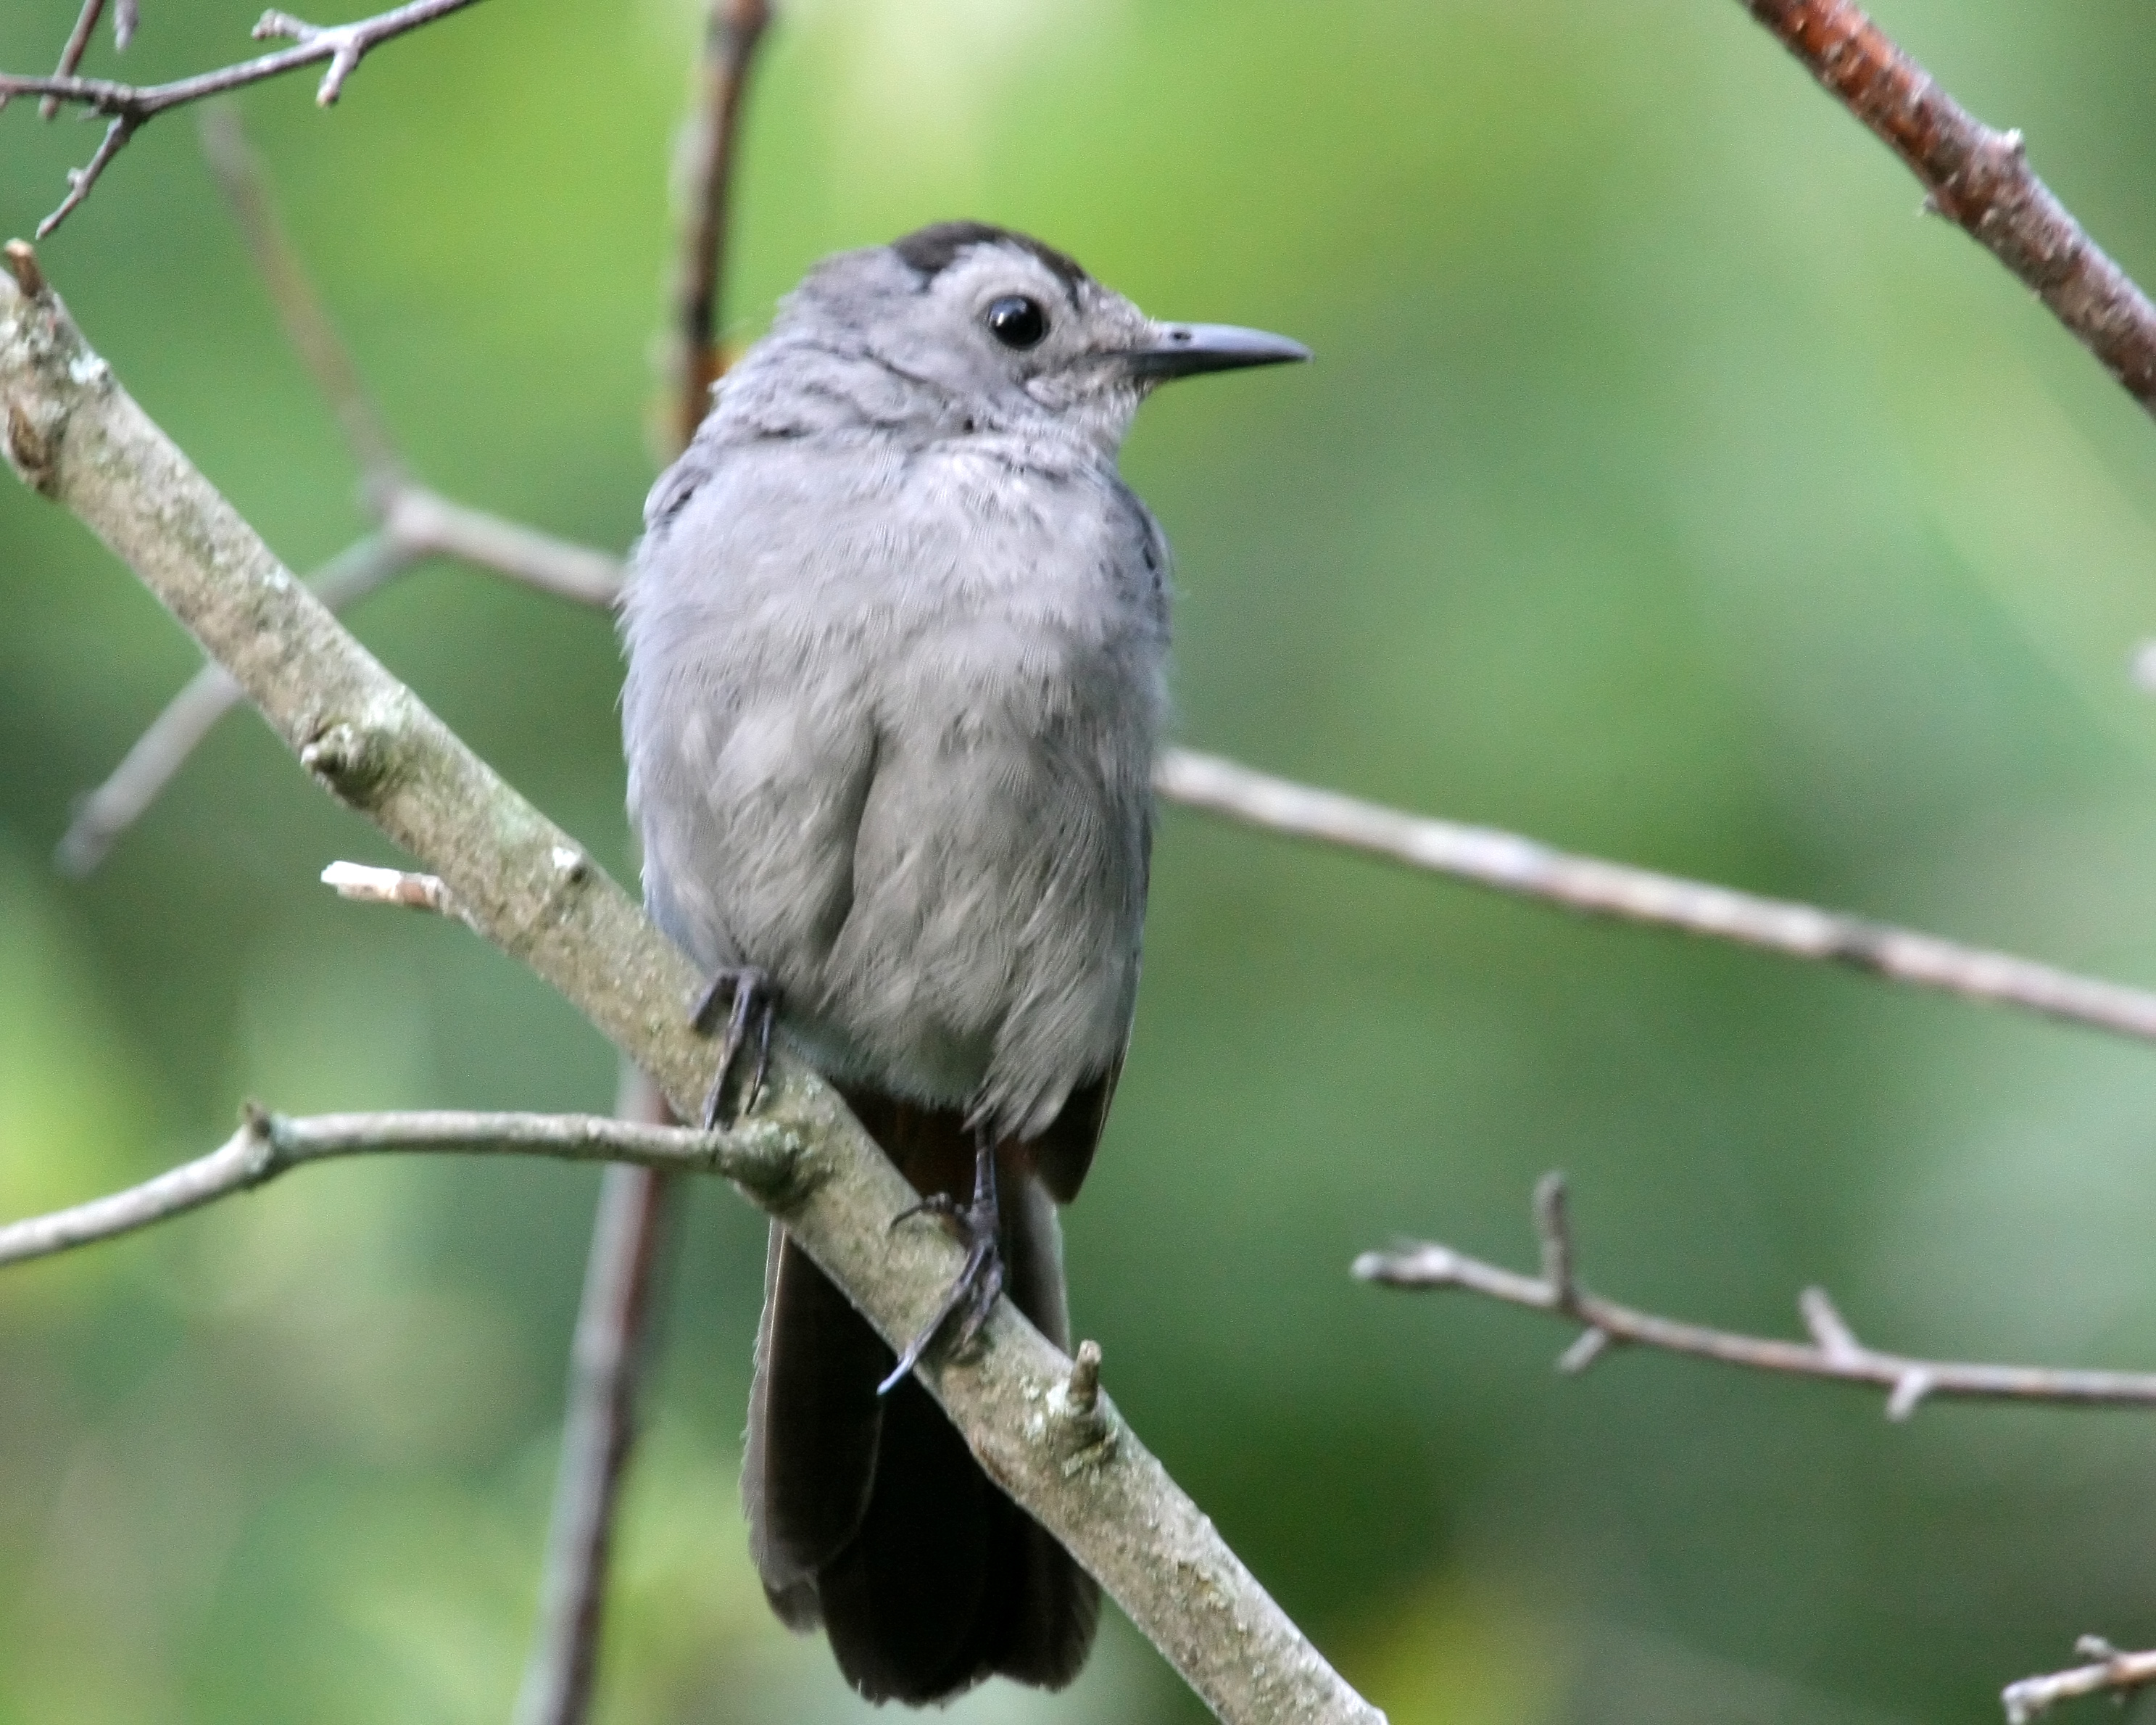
868 1515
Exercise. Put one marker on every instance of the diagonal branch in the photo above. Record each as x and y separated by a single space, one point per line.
2115 1674
131 106
1509 863
1833 1353
1979 178
74 435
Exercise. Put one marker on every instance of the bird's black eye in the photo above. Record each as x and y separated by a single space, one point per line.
1017 321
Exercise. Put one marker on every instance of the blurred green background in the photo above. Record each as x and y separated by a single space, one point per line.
1666 488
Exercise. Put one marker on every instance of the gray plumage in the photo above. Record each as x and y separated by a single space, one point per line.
896 636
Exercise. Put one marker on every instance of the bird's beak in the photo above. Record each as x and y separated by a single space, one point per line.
1183 350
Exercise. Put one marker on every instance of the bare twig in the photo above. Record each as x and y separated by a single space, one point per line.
1833 1352
427 524
759 1154
615 1325
1977 177
2116 1674
131 106
1511 864
732 30
71 55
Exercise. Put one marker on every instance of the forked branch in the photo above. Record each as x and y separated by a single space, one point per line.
131 106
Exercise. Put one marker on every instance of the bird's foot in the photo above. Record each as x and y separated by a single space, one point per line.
751 1005
979 1283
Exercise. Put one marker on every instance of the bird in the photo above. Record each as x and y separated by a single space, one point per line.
896 636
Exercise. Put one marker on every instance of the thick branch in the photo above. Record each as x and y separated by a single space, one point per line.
2117 1674
1511 864
1833 1352
1977 177
131 106
74 435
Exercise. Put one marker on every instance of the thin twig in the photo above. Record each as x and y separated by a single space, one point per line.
732 30
71 55
614 1343
1833 1352
131 106
2116 1674
1511 864
427 524
1977 177
757 1154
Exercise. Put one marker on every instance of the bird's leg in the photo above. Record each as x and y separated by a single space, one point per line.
980 1280
752 1002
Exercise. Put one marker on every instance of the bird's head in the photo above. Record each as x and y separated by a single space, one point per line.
993 330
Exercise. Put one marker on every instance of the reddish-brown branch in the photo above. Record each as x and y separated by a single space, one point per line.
1977 177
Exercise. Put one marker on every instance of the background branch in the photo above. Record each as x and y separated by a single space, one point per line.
1977 177
1521 867
732 29
616 1321
1833 1352
76 437
123 27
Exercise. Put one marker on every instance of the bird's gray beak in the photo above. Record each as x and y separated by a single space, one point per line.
1183 350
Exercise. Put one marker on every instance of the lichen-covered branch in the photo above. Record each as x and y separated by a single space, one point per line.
76 437
1978 178
1833 1353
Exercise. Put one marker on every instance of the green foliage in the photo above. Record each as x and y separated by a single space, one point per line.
1665 487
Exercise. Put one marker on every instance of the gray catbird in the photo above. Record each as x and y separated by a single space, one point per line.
896 632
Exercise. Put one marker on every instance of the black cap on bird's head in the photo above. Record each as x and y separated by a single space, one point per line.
1159 352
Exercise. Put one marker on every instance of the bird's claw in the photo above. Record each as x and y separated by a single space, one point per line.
751 1006
979 1283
